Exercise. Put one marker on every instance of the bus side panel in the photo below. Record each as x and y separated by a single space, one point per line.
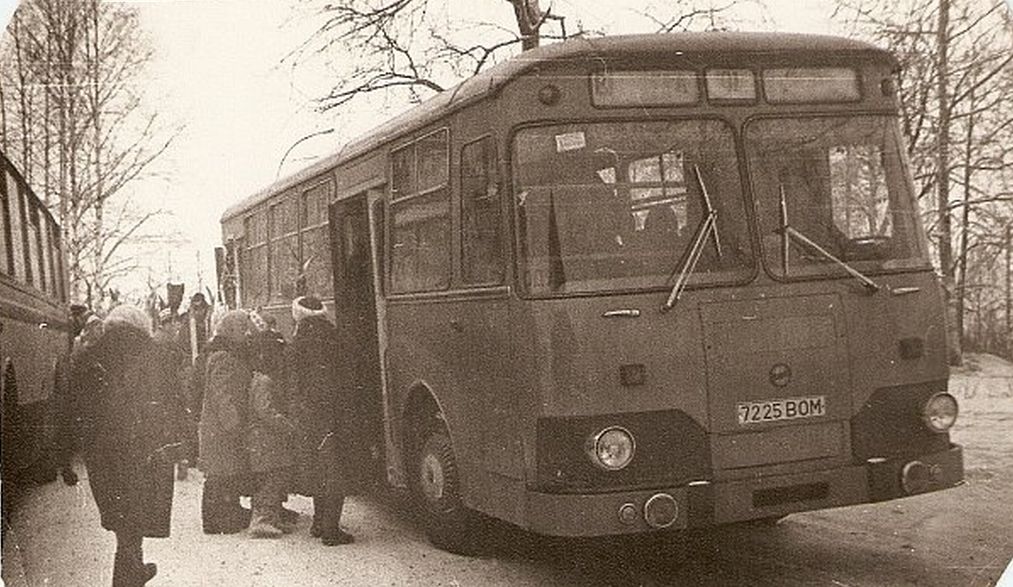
421 355
29 355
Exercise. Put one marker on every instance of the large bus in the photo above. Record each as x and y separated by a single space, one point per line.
627 285
34 329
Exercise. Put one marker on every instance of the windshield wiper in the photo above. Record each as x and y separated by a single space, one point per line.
787 233
708 228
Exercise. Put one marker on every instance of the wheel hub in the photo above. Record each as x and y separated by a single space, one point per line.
431 479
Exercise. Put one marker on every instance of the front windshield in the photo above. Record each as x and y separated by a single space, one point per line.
615 205
844 187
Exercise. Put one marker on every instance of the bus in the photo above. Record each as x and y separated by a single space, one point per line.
627 285
34 329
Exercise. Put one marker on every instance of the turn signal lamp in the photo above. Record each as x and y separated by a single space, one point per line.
612 448
940 412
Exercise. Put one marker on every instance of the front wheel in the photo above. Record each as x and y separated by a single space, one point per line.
448 523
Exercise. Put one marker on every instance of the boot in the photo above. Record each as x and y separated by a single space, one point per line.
261 527
337 538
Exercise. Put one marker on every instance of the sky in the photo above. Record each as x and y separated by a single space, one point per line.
217 74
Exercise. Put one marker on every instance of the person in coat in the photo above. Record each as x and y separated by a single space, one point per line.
223 423
312 356
268 446
129 419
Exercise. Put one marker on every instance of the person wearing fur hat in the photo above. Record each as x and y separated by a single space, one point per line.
129 415
223 422
317 409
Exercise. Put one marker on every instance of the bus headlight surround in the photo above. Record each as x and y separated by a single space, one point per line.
611 448
940 412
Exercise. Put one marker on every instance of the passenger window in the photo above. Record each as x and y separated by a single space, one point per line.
6 254
420 249
402 172
254 277
315 272
284 249
17 241
432 159
420 243
481 254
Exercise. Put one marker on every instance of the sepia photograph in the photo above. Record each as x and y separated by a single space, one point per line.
635 293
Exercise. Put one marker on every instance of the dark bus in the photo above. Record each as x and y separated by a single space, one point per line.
34 328
627 285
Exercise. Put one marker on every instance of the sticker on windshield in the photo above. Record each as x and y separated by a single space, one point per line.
571 141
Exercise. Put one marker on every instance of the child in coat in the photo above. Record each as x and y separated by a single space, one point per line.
270 458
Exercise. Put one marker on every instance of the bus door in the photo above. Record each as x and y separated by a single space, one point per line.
356 321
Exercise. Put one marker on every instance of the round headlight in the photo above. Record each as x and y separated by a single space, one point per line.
612 448
940 412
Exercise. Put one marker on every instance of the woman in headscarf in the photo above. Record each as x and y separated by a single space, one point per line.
130 416
320 416
223 425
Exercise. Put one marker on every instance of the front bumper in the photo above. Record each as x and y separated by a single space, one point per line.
703 503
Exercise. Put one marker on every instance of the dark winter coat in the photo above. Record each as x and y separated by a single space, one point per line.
269 439
269 348
316 404
224 416
129 412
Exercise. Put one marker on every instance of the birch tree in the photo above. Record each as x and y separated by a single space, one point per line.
81 59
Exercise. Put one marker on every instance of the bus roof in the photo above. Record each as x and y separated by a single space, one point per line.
581 48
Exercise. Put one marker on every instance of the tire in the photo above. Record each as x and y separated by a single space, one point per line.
436 484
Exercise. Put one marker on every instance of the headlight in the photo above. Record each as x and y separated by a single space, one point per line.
940 412
612 448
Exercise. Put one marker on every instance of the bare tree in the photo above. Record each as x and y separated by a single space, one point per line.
81 59
956 58
420 47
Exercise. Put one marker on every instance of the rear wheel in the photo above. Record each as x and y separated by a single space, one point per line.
448 523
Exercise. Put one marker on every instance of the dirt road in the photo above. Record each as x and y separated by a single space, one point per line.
960 537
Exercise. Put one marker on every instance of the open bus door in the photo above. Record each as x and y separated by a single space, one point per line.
356 321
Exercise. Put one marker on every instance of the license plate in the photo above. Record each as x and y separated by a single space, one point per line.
781 409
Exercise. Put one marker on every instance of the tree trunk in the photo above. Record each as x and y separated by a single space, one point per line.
1009 291
943 182
965 227
529 20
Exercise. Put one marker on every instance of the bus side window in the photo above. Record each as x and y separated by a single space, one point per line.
16 203
481 249
6 250
36 246
420 250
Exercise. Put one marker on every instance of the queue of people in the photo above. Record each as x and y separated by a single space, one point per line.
267 417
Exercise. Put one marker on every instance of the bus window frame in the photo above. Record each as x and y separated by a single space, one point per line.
325 198
754 201
494 171
859 80
7 263
395 200
22 268
701 94
749 213
35 224
757 89
257 220
289 199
